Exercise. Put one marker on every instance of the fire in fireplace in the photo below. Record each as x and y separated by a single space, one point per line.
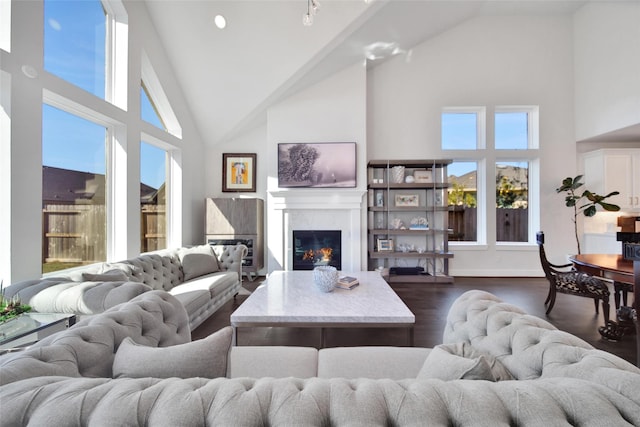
312 248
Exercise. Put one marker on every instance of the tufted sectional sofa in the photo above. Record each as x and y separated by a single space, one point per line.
553 378
202 278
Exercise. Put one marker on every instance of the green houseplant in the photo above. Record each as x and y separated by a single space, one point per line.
11 307
585 202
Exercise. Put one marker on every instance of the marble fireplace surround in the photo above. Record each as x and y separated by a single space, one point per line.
315 209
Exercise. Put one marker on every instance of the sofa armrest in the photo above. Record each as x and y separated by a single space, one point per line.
230 257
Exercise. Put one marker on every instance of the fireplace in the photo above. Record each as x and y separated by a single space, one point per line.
312 248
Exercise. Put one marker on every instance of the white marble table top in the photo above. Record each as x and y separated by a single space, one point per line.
290 297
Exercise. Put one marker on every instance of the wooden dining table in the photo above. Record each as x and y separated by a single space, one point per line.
616 268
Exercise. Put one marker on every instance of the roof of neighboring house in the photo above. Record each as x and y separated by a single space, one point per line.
513 174
65 186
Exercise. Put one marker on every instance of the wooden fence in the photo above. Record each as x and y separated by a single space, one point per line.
77 233
74 233
153 228
511 224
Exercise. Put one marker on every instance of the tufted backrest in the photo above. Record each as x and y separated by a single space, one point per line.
530 347
87 349
159 270
313 402
230 257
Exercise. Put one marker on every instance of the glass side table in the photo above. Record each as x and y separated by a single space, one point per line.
28 328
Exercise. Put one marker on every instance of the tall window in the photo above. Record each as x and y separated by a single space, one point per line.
514 130
512 201
463 201
148 111
153 201
75 43
505 163
74 190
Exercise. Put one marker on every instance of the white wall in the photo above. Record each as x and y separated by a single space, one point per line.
333 110
21 197
486 61
607 67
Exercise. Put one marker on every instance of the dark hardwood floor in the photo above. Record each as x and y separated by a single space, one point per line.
430 304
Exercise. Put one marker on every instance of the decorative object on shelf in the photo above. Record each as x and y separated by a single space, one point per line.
419 223
409 179
325 277
327 165
385 245
406 247
397 174
589 208
397 224
379 199
238 172
404 200
423 176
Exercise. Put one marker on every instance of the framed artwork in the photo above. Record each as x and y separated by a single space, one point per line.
322 165
385 245
423 176
404 200
238 172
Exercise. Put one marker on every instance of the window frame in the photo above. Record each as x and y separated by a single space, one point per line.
486 159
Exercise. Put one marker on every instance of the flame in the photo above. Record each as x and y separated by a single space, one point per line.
326 254
308 255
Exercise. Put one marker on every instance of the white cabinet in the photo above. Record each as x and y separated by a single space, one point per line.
610 170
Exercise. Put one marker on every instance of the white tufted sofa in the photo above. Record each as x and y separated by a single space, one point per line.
559 380
88 290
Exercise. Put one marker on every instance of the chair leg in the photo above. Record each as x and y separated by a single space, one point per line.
595 301
605 310
617 291
551 290
552 299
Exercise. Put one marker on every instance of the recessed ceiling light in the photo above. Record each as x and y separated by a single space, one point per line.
220 21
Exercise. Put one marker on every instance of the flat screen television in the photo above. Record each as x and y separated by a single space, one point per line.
324 164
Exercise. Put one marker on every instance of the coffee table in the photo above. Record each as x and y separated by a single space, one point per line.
28 328
290 299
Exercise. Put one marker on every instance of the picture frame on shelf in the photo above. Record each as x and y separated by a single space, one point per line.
384 245
238 172
407 200
423 176
379 199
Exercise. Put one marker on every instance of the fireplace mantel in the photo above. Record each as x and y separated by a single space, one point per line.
317 199
315 209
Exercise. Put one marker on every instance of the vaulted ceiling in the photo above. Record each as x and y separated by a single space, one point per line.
231 76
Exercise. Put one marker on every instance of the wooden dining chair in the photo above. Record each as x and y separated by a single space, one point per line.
566 280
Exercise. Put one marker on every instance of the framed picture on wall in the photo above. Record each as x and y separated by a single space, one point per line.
321 165
238 172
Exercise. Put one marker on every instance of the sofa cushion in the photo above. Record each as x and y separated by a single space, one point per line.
273 362
214 283
197 261
131 271
193 301
114 275
446 362
371 362
205 358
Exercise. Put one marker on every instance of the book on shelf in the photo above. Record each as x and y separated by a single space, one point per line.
347 282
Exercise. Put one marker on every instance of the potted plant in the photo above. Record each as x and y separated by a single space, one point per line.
587 202
11 307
